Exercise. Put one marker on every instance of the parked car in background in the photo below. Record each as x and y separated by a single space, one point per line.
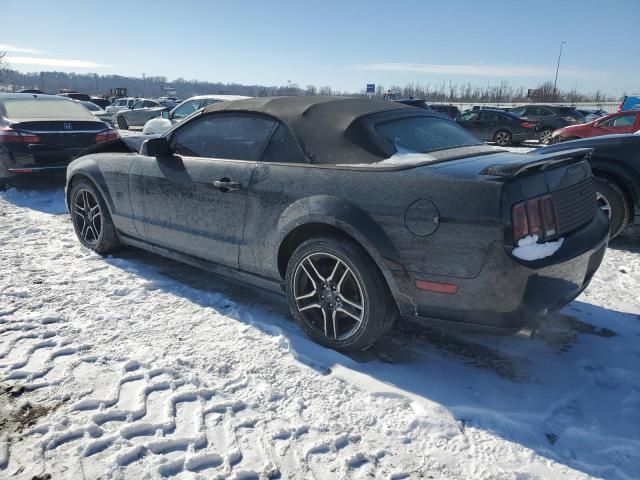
263 189
621 122
140 112
168 119
615 162
101 102
40 134
76 96
592 114
414 102
503 128
97 112
32 90
549 118
450 110
630 102
120 104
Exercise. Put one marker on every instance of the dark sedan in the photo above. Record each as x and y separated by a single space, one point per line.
40 134
615 162
358 209
549 118
503 128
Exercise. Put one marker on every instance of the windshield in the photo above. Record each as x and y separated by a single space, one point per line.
45 108
425 134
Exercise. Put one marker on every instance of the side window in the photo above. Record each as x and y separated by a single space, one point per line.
231 136
488 116
519 111
210 101
624 120
469 116
120 103
138 105
185 109
283 147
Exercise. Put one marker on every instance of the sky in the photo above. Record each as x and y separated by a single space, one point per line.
344 44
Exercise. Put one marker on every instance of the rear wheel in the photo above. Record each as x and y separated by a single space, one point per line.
613 201
545 136
91 219
502 138
122 123
338 294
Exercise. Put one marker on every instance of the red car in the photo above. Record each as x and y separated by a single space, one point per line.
621 122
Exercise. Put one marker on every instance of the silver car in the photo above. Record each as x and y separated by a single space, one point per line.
140 112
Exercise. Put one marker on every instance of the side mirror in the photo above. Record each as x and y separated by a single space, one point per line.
156 147
166 114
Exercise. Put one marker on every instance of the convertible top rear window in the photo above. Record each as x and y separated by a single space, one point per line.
425 134
20 109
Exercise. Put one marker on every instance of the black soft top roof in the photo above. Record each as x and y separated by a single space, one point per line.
320 123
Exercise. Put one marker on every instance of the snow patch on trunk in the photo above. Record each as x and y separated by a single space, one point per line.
529 249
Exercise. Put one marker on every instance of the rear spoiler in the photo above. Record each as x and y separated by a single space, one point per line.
532 162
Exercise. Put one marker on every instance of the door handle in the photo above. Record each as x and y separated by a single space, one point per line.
226 185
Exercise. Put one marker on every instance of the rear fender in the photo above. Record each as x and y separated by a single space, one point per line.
352 220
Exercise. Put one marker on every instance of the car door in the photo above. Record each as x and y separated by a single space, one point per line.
619 124
486 125
469 121
194 202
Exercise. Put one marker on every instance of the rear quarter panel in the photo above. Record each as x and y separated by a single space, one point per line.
371 206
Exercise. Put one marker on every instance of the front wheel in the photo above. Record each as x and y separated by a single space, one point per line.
122 123
91 219
338 294
612 201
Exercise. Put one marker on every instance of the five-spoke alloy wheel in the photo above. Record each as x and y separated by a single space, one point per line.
338 294
91 219
328 296
87 216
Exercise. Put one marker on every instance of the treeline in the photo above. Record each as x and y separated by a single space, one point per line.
447 92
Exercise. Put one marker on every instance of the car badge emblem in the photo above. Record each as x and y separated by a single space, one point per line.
67 126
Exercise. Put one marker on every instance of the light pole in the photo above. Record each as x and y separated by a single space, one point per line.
144 83
555 82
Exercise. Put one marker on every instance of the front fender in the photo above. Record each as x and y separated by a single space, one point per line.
87 166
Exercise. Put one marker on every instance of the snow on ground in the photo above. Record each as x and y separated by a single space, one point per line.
133 366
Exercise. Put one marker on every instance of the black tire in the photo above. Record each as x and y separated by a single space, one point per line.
545 136
122 123
106 239
378 309
614 202
503 138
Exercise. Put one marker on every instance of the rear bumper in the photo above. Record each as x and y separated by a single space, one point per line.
508 293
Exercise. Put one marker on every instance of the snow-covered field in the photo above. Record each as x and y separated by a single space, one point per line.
133 366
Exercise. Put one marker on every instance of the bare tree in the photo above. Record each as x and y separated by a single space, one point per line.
3 64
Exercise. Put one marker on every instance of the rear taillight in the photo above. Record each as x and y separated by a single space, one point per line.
536 216
105 135
9 135
528 125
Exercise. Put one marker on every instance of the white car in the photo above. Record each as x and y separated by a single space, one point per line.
120 104
162 124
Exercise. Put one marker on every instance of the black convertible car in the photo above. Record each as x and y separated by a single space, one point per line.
615 162
359 209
